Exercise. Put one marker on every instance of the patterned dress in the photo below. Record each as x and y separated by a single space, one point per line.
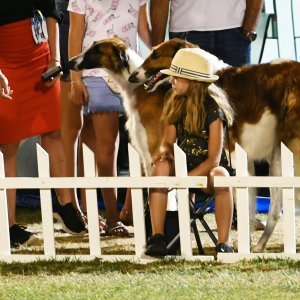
195 146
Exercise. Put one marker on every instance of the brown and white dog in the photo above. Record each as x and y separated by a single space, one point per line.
143 109
266 99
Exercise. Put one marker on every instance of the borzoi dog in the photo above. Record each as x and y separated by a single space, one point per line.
143 109
266 99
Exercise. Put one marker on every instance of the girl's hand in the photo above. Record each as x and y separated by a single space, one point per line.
5 91
53 63
161 157
79 93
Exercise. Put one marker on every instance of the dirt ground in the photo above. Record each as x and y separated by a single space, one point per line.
76 245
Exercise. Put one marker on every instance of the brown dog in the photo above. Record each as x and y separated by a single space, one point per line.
143 109
266 99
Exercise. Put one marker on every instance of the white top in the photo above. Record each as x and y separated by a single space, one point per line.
107 18
206 15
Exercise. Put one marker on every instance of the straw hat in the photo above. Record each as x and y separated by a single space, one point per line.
193 64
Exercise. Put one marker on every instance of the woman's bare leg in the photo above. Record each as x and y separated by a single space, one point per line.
10 152
71 124
106 126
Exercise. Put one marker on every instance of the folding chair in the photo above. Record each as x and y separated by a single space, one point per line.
206 206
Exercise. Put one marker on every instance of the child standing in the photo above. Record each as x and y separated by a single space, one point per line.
195 113
93 92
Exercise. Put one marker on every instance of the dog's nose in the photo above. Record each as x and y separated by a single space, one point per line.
133 77
72 64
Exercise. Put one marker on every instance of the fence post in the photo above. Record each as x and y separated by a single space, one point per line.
91 202
242 202
183 204
137 202
288 202
46 202
4 228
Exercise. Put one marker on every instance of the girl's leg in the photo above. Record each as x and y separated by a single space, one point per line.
106 127
88 138
125 215
223 206
156 244
159 197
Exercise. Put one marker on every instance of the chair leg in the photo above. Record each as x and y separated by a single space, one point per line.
197 237
208 230
175 239
198 214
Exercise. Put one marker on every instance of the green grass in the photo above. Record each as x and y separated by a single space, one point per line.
166 279
267 279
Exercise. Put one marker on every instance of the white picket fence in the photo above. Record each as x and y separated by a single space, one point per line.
136 182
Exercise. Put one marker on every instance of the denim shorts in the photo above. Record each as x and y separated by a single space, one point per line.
101 97
228 45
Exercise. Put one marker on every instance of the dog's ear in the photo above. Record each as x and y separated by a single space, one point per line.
182 44
190 45
124 58
122 55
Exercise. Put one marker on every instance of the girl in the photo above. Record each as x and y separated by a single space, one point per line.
195 114
95 95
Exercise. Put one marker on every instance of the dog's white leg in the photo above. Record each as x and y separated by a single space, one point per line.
294 146
255 224
275 206
273 217
252 199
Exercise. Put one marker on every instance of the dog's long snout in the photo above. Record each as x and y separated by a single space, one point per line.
133 77
73 64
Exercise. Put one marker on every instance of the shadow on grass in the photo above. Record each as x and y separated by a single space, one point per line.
54 267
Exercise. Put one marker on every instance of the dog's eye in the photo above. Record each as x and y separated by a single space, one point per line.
154 55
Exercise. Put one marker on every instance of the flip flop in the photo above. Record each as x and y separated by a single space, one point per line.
117 229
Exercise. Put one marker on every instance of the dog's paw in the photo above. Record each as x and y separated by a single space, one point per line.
257 249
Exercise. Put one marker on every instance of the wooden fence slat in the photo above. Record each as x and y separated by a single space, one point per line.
103 182
288 202
257 181
4 228
242 202
181 182
91 202
46 202
137 202
183 204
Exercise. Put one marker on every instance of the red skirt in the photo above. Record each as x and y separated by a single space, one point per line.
34 108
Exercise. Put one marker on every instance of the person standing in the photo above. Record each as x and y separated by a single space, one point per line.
93 93
223 28
29 45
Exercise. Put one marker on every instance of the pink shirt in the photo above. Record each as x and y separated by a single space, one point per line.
107 18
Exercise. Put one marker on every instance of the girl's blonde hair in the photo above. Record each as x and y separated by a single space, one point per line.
191 107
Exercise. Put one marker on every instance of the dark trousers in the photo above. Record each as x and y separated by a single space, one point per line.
228 45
